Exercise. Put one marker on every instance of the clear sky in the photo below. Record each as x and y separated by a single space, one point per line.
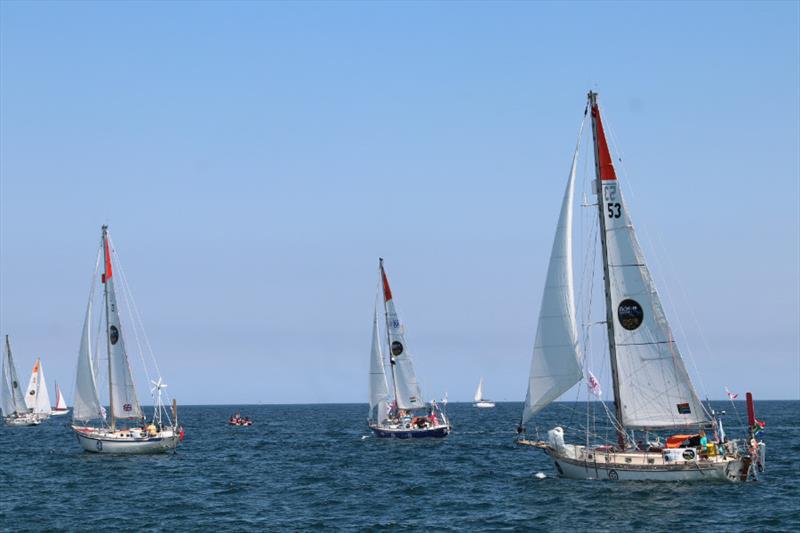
255 159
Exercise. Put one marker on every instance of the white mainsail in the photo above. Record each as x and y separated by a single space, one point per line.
86 403
407 389
37 398
124 403
555 365
654 389
378 388
479 391
61 404
12 400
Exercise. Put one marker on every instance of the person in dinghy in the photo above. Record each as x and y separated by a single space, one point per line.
408 415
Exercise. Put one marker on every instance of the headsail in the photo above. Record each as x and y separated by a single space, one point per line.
479 391
37 398
378 389
407 389
12 399
124 403
555 365
61 404
86 403
652 386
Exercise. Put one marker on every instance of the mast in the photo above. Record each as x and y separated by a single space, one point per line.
106 276
386 290
597 128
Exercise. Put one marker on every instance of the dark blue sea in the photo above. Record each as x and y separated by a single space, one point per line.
304 467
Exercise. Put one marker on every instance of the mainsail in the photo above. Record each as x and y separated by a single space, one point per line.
407 391
37 398
12 400
555 365
124 404
61 404
479 391
378 389
652 387
86 403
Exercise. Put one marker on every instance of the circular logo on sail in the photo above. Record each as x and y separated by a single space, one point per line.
14 384
113 334
630 314
32 393
397 348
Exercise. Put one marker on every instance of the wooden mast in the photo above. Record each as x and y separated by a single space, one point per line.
597 128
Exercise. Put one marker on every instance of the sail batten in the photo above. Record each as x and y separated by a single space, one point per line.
555 364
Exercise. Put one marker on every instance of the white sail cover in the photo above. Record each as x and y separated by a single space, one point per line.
61 404
409 395
37 398
654 388
479 391
555 364
86 403
378 389
12 400
124 403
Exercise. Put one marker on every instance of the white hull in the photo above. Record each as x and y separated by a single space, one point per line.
23 420
98 440
56 412
580 463
483 404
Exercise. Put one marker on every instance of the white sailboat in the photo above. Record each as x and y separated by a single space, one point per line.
60 408
480 401
12 400
408 416
123 429
37 398
653 393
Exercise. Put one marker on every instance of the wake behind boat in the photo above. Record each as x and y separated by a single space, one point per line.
123 429
12 401
408 416
653 393
480 401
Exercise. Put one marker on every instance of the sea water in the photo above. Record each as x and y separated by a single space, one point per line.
318 467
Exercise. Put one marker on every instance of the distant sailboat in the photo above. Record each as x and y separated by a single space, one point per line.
408 416
652 389
123 429
12 400
480 401
37 398
61 406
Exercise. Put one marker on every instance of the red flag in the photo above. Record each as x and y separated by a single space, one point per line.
107 274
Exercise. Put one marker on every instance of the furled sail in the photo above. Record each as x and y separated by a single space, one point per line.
479 391
378 389
86 403
124 404
12 400
555 365
408 392
37 398
654 388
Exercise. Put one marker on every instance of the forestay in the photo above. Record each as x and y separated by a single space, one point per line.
378 389
654 388
124 403
555 365
408 392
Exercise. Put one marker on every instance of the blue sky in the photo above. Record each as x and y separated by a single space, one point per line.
254 159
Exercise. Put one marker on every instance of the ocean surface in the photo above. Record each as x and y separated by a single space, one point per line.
317 467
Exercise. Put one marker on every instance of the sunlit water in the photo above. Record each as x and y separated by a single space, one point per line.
317 467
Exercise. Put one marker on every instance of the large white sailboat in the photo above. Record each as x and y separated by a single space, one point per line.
653 393
408 415
480 401
37 398
60 408
12 400
123 429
